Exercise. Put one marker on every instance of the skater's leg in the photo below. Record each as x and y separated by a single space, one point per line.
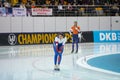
55 59
73 42
73 46
59 61
77 40
55 55
60 55
76 47
59 58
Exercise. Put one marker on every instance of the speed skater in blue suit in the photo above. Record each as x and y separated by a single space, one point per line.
58 46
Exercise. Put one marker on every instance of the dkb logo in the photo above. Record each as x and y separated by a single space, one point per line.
12 39
108 36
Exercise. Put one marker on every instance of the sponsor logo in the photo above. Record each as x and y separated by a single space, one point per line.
108 36
43 38
12 39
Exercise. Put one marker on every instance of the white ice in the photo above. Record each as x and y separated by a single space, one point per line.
35 62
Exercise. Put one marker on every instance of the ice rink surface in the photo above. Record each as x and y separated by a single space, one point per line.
35 62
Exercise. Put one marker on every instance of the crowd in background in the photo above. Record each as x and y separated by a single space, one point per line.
77 2
105 6
56 2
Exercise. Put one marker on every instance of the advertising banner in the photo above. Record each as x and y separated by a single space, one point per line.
87 36
9 12
29 38
37 38
106 36
19 11
41 11
2 12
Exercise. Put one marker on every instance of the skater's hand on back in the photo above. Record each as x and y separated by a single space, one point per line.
59 51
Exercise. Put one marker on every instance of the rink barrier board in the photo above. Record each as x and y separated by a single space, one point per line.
7 39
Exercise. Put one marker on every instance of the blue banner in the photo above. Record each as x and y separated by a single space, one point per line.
106 36
2 12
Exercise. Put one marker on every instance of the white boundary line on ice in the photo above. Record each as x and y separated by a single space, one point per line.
83 63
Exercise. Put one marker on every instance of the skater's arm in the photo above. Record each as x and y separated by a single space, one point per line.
77 28
71 31
65 40
56 43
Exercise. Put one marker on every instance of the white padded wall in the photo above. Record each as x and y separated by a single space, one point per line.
5 24
70 22
49 24
83 23
27 24
93 23
115 23
39 24
105 23
61 24
53 24
16 24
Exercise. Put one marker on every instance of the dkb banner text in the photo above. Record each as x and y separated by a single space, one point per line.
106 36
